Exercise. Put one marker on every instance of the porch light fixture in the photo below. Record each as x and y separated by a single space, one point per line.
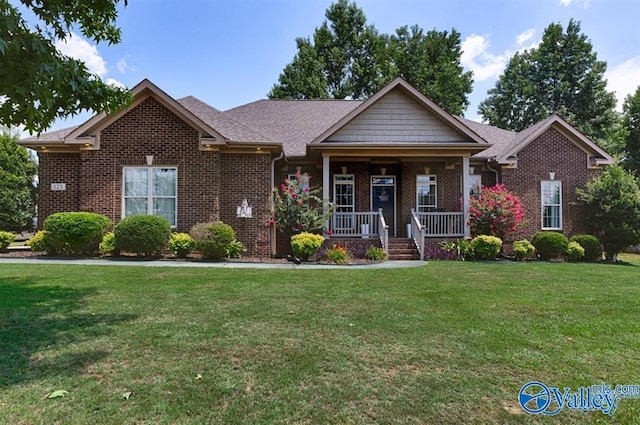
149 159
471 170
344 170
552 175
244 210
427 170
383 171
299 169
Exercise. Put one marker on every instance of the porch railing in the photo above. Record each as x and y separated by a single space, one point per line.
417 232
384 234
355 224
442 224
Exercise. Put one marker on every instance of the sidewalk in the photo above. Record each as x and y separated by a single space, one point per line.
226 265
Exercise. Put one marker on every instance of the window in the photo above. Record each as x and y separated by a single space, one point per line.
551 201
343 199
427 193
150 190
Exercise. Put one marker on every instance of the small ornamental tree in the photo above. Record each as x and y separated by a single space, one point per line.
298 208
496 212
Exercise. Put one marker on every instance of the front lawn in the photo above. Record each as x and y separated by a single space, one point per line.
450 342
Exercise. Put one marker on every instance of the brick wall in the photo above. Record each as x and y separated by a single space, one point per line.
551 152
57 168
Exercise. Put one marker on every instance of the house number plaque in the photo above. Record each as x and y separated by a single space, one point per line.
58 186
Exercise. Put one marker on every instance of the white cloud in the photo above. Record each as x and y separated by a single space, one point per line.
78 48
116 83
486 65
123 66
624 79
583 3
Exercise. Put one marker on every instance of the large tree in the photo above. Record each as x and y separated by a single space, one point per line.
561 76
37 83
613 201
347 58
17 191
631 124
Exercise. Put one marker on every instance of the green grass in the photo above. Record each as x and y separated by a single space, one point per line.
451 342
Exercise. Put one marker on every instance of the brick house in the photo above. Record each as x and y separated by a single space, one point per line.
392 160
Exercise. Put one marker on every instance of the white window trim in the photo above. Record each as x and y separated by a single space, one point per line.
542 205
352 182
435 183
150 196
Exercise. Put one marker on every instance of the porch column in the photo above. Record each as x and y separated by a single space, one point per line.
466 193
326 168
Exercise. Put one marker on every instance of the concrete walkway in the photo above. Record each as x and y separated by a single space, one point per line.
230 265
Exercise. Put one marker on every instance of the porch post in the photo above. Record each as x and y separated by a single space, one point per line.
326 165
466 193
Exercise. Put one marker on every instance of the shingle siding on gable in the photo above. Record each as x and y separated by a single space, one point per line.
551 152
396 118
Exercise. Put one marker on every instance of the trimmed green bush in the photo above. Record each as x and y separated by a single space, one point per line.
6 238
182 244
305 244
213 239
592 246
550 245
337 254
144 235
36 242
574 251
108 244
486 247
523 249
375 254
75 233
461 248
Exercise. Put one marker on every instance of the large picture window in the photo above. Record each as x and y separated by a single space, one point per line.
427 193
344 200
150 190
551 201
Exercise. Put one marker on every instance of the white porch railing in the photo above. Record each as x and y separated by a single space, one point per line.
384 234
417 232
442 224
357 224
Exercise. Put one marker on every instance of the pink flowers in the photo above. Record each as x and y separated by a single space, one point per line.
496 212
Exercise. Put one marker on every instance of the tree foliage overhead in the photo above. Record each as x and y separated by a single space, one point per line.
347 58
561 76
37 83
17 191
631 123
613 199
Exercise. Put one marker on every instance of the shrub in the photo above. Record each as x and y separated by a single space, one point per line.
182 244
235 249
304 245
574 251
486 247
213 239
461 249
523 249
144 235
375 254
338 255
36 242
75 233
6 238
592 246
550 244
495 212
432 252
108 244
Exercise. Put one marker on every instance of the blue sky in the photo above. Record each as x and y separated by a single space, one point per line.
228 53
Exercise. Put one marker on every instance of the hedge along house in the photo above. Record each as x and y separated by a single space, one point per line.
394 160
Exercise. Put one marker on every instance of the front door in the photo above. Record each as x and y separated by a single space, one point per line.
383 195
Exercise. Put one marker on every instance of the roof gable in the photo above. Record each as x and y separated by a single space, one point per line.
400 114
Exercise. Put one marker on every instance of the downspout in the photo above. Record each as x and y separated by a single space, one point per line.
494 172
272 232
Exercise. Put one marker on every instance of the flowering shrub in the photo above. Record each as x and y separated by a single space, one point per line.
495 212
298 208
433 252
305 244
486 247
338 254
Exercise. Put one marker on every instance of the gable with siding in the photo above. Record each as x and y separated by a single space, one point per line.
397 118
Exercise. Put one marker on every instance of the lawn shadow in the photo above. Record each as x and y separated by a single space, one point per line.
39 327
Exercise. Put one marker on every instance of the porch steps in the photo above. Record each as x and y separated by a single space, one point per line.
402 249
